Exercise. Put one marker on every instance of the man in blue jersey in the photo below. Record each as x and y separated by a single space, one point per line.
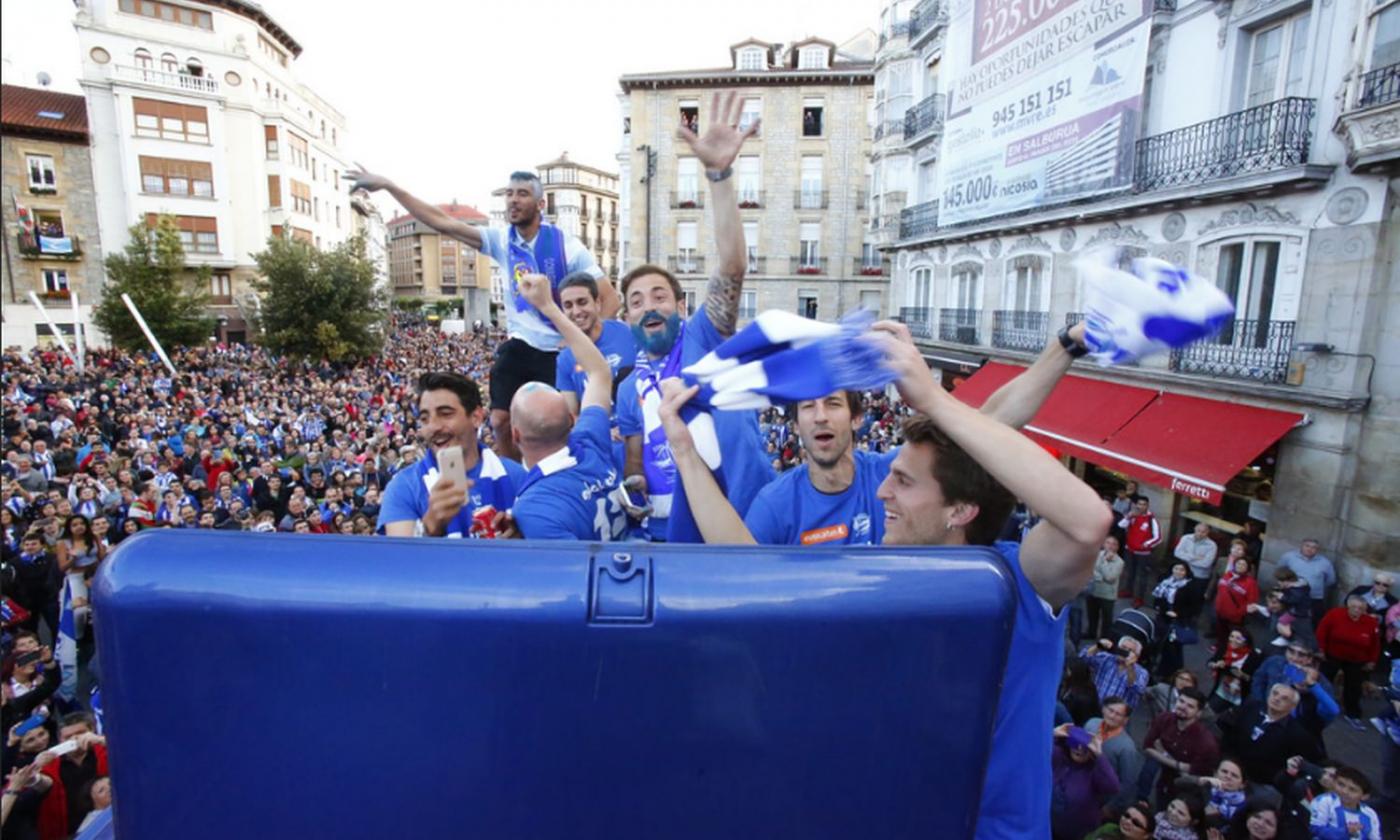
668 340
418 501
567 493
578 297
832 497
953 483
529 246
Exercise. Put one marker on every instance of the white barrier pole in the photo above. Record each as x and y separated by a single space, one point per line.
62 342
78 332
141 322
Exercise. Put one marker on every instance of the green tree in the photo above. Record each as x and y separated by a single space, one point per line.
409 304
319 304
152 270
447 308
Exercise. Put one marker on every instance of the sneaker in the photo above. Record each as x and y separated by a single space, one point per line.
1356 724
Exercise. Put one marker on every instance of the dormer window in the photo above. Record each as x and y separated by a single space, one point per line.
751 58
812 58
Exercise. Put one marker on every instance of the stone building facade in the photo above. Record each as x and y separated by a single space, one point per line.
1268 163
425 265
47 168
582 200
800 181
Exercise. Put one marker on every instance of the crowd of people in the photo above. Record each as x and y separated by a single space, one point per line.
573 423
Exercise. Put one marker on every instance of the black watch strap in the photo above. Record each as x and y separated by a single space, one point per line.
1072 347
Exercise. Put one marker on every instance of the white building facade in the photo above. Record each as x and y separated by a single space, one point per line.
1266 160
196 112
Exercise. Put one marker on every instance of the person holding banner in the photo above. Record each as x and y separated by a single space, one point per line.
669 338
529 246
954 482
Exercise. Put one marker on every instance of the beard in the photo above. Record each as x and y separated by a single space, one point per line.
660 343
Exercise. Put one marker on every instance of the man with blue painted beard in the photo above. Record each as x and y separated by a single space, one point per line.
669 338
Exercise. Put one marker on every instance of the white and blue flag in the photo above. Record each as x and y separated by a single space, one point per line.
66 645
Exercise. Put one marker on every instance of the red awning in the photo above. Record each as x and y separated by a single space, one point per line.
1187 444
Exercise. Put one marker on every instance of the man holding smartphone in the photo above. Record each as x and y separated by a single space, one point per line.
426 500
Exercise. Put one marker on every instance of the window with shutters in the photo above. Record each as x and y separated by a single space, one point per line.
171 120
301 197
198 234
171 176
301 153
168 12
270 135
274 191
42 175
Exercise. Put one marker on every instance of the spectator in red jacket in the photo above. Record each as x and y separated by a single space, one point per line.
1234 592
1142 536
64 806
1350 639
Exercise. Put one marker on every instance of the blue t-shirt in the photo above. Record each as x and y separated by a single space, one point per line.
1016 792
566 495
620 349
747 468
790 511
495 481
529 326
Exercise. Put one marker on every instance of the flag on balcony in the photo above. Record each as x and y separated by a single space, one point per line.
1153 307
26 219
55 244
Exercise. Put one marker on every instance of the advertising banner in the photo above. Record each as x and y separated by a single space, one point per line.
1044 105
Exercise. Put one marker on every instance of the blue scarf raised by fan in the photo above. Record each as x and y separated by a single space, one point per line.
548 259
779 358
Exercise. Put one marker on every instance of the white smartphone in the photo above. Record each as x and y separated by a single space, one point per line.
63 748
450 465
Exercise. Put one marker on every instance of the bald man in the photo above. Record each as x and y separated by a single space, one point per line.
567 493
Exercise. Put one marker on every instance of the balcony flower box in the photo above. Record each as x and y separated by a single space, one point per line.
808 269
872 271
43 190
687 204
60 294
750 204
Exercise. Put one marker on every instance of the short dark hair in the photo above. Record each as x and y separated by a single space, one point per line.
529 178
580 278
1194 694
1138 497
1354 776
75 718
1194 802
467 391
855 402
648 268
962 479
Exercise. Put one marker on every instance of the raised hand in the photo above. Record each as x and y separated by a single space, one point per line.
368 181
675 394
536 289
723 138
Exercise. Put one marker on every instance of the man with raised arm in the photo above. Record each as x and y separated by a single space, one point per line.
668 340
953 483
567 492
833 496
529 246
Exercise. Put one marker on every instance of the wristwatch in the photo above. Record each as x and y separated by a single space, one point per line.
719 176
1072 347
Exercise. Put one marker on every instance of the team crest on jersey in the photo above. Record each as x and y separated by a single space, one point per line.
860 528
520 271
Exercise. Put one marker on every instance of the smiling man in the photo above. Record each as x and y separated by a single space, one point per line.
953 483
578 297
420 502
669 338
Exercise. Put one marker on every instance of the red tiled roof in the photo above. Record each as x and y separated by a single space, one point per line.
20 109
462 212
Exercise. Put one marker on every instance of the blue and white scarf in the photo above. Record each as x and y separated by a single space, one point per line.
1153 307
548 259
492 471
66 645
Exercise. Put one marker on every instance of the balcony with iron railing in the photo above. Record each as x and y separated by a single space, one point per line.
1267 140
687 200
686 263
166 79
959 326
757 265
861 268
1019 330
919 220
919 320
1245 349
807 265
1266 137
35 246
898 29
1371 127
925 119
810 199
751 199
924 19
889 128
